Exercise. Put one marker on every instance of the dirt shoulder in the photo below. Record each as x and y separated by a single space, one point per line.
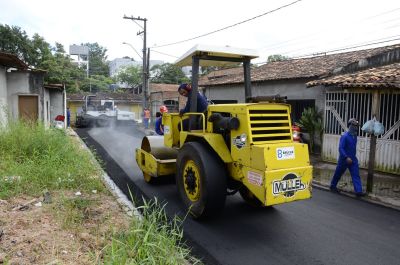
72 229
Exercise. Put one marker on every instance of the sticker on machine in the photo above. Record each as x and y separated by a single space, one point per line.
284 153
166 130
288 185
254 178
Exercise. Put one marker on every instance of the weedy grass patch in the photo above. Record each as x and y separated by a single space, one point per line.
74 228
152 240
33 158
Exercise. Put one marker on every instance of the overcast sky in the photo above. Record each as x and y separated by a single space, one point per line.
303 28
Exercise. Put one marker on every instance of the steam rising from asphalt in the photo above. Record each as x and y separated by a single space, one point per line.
116 138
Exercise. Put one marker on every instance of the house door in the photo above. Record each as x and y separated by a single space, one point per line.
28 108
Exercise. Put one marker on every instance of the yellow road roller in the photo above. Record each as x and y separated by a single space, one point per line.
245 147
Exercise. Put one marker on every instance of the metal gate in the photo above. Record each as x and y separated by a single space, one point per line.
340 106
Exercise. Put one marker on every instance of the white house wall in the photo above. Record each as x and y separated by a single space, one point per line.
46 107
292 89
3 96
234 92
17 84
56 104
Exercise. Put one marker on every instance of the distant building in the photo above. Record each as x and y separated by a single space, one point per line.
118 64
80 56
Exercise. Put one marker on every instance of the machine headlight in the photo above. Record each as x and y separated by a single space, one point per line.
243 138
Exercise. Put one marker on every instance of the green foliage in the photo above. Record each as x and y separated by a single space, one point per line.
14 40
277 58
33 158
97 60
205 70
168 74
37 53
96 83
131 75
151 240
61 70
311 122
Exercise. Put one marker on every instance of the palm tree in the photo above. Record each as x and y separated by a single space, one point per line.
311 122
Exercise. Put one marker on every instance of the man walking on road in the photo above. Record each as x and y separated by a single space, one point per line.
146 118
348 159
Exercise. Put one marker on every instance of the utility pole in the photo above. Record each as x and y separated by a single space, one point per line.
144 58
372 145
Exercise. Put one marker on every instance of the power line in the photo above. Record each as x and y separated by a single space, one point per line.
230 26
374 42
164 53
384 13
352 47
315 35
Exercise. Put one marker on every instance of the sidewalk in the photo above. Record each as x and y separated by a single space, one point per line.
386 188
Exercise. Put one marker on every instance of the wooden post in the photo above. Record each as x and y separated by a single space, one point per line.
372 143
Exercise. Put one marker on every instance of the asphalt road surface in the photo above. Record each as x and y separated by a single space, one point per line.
327 229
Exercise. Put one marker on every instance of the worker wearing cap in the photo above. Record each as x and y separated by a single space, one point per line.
347 158
186 91
159 128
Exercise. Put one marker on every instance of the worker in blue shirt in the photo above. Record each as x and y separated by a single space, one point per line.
186 91
347 158
68 117
159 127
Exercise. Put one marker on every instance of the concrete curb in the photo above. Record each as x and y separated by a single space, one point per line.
368 198
126 204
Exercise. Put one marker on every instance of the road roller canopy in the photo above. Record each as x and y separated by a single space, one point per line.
226 55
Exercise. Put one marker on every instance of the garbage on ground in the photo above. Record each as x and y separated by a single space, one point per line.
12 178
46 197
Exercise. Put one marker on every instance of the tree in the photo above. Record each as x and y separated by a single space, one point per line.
168 74
14 40
205 70
311 122
39 54
277 58
97 59
62 70
96 83
130 75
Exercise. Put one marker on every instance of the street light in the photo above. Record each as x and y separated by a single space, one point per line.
130 45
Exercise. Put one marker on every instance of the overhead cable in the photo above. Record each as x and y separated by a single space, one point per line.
230 26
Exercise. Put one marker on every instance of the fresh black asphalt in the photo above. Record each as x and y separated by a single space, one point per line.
327 229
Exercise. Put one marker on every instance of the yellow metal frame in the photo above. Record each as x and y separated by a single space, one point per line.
154 167
261 153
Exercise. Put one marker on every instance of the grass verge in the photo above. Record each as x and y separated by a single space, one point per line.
88 228
152 240
33 158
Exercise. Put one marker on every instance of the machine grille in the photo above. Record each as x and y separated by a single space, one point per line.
269 125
